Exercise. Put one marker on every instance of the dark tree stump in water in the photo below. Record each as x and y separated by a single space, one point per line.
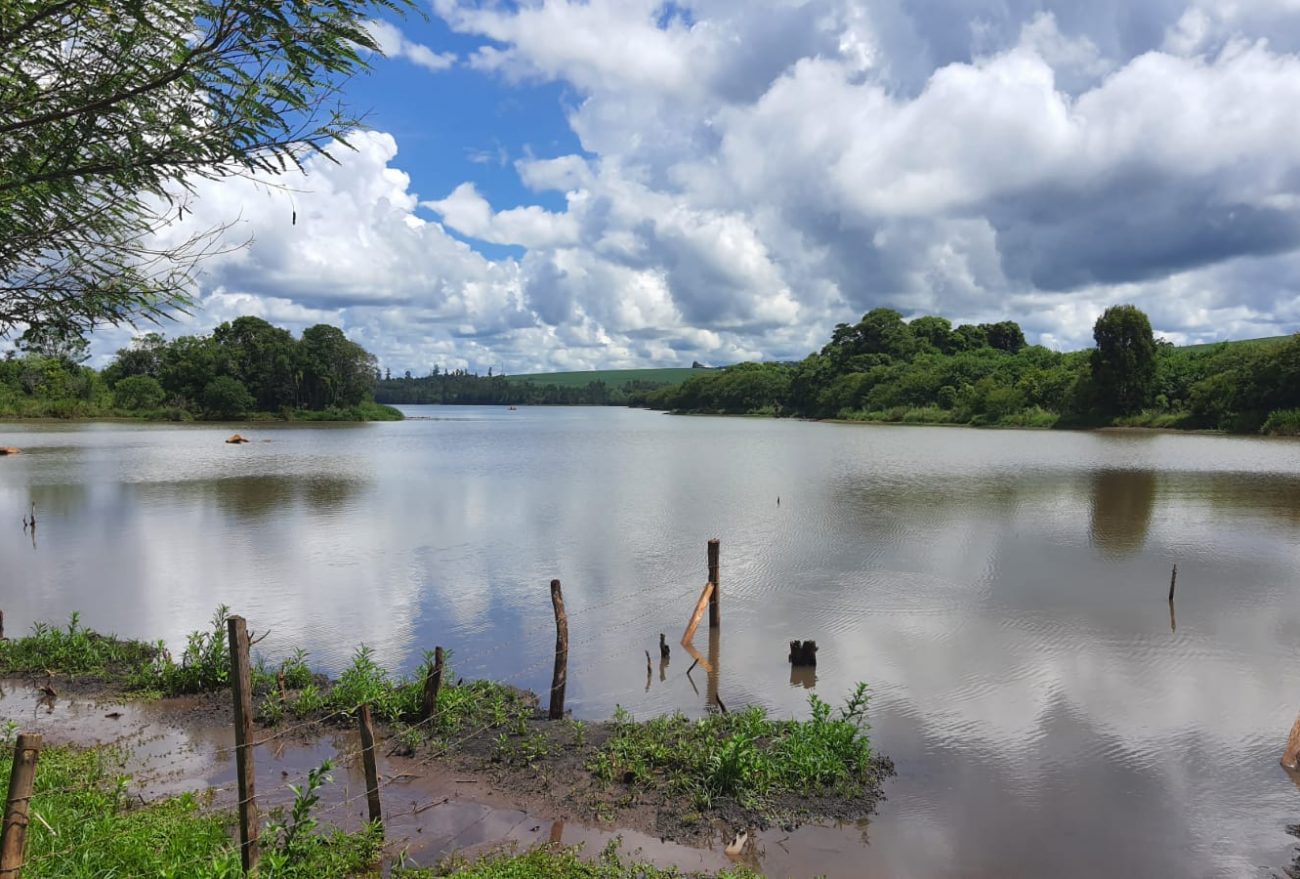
803 653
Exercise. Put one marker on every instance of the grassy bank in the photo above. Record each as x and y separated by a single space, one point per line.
681 776
89 823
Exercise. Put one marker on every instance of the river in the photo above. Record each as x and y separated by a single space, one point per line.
1004 594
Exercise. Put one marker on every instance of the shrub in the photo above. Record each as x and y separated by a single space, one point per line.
139 392
1283 422
226 397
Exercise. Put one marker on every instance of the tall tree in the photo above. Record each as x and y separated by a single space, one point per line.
262 357
109 111
1124 364
335 371
1005 335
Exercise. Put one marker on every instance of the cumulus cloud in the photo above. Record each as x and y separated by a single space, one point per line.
394 44
749 175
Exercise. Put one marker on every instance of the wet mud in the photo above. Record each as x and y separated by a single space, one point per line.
459 804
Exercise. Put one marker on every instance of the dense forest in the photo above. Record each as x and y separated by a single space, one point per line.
466 388
244 368
924 371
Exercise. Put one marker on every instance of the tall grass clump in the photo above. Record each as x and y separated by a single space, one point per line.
72 650
1283 422
744 756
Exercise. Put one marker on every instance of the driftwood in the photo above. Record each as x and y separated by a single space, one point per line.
803 653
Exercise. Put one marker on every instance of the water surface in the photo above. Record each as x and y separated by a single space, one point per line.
1004 594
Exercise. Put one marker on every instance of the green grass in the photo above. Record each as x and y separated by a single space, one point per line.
550 862
86 824
744 756
1283 422
74 650
1265 340
614 378
476 705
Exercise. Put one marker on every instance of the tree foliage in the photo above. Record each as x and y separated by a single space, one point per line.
1124 363
110 111
244 366
885 369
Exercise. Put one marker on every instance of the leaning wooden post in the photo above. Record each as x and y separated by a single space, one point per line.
241 689
715 614
368 758
13 839
560 678
432 684
1173 581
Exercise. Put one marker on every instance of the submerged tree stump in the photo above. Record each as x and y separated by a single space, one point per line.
803 653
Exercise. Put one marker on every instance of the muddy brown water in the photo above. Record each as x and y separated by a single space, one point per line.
1004 594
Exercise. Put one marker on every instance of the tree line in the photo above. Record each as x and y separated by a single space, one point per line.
243 367
460 387
884 368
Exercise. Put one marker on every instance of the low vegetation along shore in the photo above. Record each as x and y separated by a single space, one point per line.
684 779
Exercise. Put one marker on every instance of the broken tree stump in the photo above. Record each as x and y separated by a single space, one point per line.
803 653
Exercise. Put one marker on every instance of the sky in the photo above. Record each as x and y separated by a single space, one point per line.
556 185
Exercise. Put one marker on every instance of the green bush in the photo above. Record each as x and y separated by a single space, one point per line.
226 397
1283 422
139 392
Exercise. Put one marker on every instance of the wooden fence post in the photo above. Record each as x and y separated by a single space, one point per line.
241 689
13 838
368 758
560 677
432 684
715 612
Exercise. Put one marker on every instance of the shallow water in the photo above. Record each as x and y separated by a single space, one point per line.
1004 593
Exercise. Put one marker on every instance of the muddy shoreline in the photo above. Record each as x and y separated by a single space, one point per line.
436 802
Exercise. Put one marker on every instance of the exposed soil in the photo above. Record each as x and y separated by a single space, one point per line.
560 783
434 803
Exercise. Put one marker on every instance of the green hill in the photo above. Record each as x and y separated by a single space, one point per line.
1266 340
614 378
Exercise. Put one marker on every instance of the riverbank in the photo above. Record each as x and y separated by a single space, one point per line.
685 782
79 410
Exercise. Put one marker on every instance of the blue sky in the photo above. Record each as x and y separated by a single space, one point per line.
565 185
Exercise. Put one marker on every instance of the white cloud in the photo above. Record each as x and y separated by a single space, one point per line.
394 44
750 175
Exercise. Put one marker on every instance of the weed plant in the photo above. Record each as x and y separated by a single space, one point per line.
744 756
72 650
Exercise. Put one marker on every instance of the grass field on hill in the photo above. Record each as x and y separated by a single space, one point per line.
614 378
1266 340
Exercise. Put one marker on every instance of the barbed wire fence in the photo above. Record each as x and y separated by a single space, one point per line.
23 797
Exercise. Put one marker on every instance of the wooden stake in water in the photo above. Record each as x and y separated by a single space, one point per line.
432 684
560 677
368 759
22 777
1173 581
241 689
715 612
